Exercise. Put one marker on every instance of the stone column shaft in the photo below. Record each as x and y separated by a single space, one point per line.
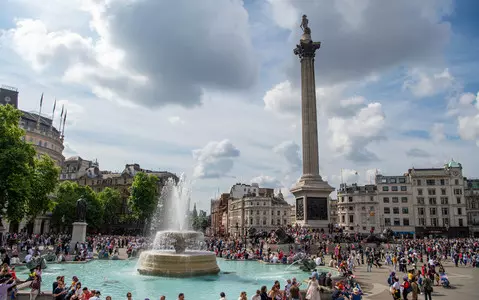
309 117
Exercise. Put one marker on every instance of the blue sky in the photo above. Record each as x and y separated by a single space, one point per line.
213 89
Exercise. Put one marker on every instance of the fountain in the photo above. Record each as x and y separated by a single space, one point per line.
176 251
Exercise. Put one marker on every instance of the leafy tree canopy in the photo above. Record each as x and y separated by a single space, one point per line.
111 203
143 198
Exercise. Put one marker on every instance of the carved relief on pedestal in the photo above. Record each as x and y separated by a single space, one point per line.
300 209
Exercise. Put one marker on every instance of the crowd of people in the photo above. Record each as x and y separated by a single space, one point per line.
417 265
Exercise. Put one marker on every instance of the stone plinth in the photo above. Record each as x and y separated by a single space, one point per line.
78 233
170 264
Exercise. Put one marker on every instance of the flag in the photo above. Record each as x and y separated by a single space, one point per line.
54 107
41 101
65 118
61 115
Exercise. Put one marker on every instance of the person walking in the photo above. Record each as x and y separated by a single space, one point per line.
428 288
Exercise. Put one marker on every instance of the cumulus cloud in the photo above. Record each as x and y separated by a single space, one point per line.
416 152
360 38
215 160
126 62
423 84
283 98
351 136
267 181
290 151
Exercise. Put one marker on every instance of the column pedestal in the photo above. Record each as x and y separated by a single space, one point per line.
78 233
37 226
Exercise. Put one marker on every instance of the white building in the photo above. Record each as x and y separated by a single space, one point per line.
472 201
263 212
395 203
357 208
438 199
241 190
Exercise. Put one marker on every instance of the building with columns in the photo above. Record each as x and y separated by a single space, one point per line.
357 208
395 203
262 212
471 193
438 201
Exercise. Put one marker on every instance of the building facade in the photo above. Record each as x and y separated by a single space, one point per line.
264 213
357 208
219 215
395 204
439 202
471 193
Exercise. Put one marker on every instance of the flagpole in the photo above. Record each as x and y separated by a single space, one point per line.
40 112
64 122
53 114
341 170
61 119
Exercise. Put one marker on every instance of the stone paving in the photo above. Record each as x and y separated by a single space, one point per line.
464 281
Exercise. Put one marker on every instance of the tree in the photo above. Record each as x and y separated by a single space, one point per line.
111 202
201 221
44 178
67 195
16 163
143 198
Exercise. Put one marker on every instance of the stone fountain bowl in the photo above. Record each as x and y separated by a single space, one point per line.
184 235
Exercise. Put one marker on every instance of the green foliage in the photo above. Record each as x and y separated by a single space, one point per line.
67 196
143 198
200 222
111 202
16 164
44 179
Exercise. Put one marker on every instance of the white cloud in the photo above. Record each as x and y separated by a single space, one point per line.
267 181
423 84
283 98
437 132
351 136
291 153
416 152
175 120
215 160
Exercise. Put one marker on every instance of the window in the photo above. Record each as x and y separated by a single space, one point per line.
394 188
420 200
443 182
443 191
386 200
419 192
430 182
461 223
431 192
403 199
385 188
387 210
395 199
422 222
434 222
402 180
457 192
278 222
351 219
392 180
458 199
351 208
264 213
432 201
432 211
264 221
445 211
444 200
350 199
278 213
456 182
445 221
387 222
459 210
371 198
397 222
405 222
405 210
419 182
396 210
403 188
420 211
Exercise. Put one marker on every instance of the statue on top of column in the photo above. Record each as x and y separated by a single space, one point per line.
81 210
304 25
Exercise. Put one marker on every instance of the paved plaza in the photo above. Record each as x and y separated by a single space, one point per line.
464 281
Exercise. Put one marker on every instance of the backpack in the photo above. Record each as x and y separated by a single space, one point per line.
390 280
407 287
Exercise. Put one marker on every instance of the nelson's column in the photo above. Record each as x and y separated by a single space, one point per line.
311 192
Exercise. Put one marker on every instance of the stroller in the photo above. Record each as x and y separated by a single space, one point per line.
444 280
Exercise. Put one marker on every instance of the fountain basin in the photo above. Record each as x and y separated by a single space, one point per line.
171 264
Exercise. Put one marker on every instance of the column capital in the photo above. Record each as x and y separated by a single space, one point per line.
306 48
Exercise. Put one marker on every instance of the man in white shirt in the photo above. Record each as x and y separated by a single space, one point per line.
28 258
